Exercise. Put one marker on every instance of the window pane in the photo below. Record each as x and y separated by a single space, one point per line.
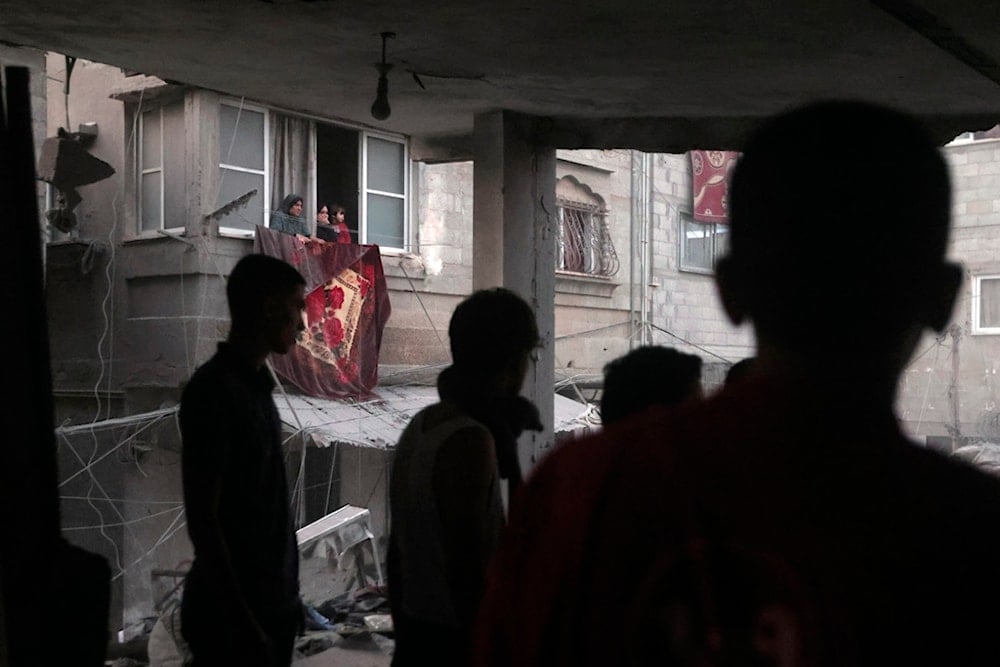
385 221
721 240
241 137
173 166
151 139
989 302
236 184
385 166
572 240
151 188
697 245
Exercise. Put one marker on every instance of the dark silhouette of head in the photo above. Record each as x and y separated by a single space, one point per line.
258 289
739 370
322 214
492 331
839 215
648 375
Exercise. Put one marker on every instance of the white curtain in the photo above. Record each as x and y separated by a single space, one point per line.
293 162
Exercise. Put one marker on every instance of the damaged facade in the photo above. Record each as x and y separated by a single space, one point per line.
140 284
136 291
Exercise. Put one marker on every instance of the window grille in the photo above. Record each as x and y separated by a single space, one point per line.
584 242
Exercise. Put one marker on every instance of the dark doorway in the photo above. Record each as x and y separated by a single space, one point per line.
337 171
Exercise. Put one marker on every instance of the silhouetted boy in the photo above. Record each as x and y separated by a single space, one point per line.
786 520
241 603
648 375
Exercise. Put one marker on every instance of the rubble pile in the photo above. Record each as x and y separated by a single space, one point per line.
357 619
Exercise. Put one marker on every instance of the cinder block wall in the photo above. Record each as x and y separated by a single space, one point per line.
928 384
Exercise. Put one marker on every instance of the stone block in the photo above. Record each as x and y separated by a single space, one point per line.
965 170
979 206
990 167
982 155
956 157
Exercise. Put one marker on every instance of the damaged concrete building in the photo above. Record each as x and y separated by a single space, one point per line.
146 303
541 149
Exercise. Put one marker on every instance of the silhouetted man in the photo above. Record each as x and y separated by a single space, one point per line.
786 520
241 603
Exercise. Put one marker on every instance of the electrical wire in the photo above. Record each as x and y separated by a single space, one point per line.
167 534
927 388
413 289
129 522
128 501
108 296
117 446
687 342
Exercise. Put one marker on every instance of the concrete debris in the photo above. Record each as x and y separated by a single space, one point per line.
315 642
379 623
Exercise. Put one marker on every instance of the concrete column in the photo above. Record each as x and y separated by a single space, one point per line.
201 160
513 225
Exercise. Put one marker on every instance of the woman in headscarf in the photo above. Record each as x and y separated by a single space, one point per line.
288 218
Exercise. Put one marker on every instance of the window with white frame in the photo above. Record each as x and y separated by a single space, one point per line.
986 304
243 165
160 168
702 243
279 154
384 202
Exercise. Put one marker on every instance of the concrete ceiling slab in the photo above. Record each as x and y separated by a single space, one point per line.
644 74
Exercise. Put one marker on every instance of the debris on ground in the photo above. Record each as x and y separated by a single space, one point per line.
360 619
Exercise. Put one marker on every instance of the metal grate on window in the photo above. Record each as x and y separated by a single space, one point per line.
584 242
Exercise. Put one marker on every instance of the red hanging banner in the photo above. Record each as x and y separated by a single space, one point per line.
710 184
347 307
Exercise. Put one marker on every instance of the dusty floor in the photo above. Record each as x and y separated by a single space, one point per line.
357 653
341 657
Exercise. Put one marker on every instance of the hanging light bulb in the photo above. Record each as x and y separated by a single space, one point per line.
380 107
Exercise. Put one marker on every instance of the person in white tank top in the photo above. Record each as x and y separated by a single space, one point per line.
446 511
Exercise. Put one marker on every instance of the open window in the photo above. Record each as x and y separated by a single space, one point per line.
279 154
